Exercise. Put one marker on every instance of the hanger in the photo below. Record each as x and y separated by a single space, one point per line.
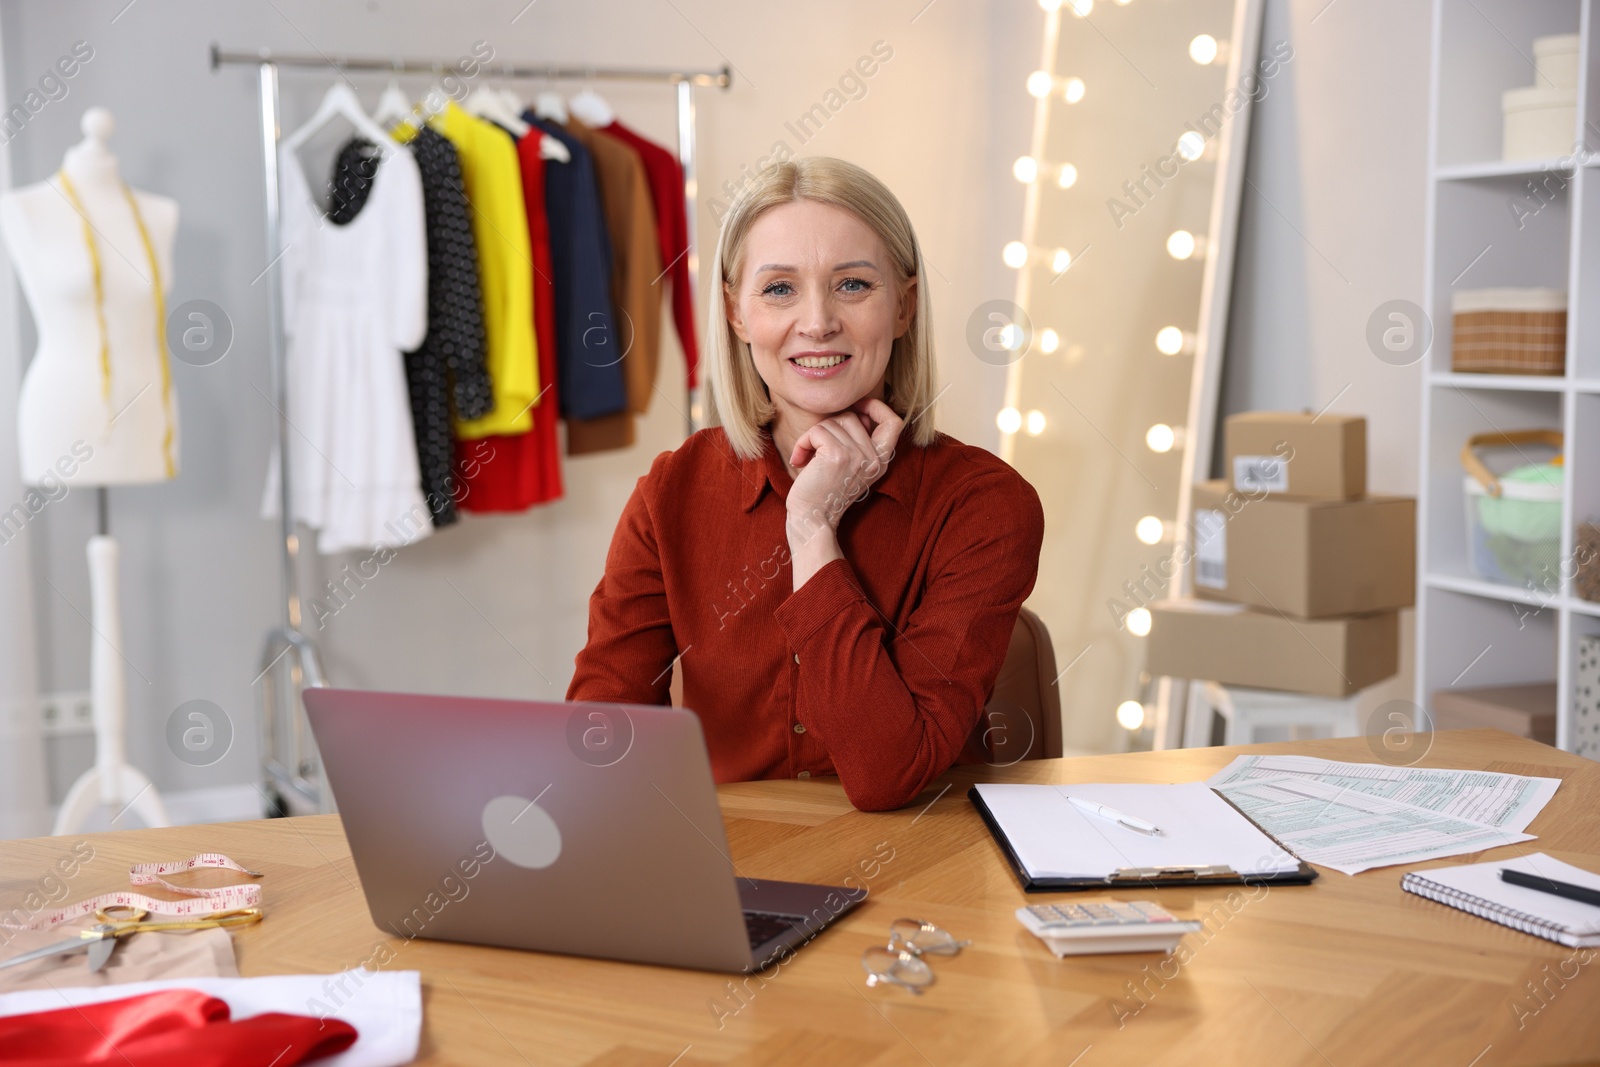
512 99
591 108
486 103
550 148
394 107
551 106
341 101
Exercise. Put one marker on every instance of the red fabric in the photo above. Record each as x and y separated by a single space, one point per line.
898 644
170 1028
665 175
513 472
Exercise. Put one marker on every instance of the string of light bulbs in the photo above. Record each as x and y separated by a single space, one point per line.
1035 171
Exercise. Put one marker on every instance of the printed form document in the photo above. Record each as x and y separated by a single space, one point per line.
1356 816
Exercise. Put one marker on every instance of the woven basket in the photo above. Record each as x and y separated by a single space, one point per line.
1509 331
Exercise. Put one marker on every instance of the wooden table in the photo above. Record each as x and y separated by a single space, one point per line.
1349 970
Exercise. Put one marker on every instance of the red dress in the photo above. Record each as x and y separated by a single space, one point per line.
514 472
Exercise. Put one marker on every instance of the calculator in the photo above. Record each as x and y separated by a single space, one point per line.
1058 919
1105 926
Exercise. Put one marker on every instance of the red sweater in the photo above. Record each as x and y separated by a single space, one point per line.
876 669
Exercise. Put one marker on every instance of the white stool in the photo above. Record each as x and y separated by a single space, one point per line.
1245 710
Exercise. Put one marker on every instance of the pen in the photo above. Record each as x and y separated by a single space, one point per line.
1130 821
1551 886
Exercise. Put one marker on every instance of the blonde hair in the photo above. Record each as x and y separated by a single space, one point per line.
738 400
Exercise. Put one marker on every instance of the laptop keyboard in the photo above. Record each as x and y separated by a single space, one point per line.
763 926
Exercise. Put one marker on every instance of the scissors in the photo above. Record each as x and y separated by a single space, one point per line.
101 939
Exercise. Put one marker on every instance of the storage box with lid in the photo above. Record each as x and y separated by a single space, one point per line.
1541 120
1509 331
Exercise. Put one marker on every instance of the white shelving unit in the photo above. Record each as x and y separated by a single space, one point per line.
1472 632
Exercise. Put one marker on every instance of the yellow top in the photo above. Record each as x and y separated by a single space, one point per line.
493 184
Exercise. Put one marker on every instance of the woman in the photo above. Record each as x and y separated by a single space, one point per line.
836 580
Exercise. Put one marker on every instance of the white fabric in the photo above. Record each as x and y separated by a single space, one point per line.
354 300
385 1007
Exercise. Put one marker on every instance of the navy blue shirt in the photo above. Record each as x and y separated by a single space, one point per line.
589 365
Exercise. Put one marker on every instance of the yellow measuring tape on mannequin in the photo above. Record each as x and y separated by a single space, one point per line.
100 307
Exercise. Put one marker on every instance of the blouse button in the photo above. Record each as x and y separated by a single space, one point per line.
805 774
797 659
799 728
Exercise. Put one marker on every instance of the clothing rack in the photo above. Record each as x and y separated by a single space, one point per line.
291 769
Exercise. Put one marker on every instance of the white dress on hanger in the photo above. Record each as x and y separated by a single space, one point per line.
355 298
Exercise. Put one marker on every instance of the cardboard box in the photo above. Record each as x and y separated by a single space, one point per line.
1524 710
1233 645
1297 454
1307 558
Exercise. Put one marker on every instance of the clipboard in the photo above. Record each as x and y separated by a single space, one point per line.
1142 877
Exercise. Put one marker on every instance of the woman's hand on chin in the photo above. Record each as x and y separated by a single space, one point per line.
839 459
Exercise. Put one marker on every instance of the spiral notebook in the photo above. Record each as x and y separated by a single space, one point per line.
1477 888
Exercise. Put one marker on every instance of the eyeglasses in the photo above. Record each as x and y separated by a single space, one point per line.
901 962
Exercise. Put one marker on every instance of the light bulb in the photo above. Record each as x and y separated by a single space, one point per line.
1138 622
1191 146
1050 5
1072 90
1203 49
1009 420
1068 176
1161 437
1060 260
1149 530
1015 254
1181 244
1169 341
1080 8
1011 337
1049 341
1035 423
1130 714
1025 169
1040 83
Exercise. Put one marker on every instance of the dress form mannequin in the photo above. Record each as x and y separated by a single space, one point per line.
96 405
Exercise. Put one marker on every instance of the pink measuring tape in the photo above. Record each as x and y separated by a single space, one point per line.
204 901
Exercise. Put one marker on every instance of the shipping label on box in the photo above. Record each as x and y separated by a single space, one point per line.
1211 548
1266 474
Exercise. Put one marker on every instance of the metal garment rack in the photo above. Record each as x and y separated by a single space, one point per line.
291 770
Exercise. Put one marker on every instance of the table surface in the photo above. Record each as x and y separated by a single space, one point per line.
1348 970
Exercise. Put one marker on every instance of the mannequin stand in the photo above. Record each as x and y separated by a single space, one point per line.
111 781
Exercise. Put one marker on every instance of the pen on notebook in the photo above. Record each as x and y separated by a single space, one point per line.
1132 822
1551 886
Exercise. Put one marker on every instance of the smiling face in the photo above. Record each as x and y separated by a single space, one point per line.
820 305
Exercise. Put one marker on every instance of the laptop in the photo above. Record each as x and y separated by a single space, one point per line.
585 829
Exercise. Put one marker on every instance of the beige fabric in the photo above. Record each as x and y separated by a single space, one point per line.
143 957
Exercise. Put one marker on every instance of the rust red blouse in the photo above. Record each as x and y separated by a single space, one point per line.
876 669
